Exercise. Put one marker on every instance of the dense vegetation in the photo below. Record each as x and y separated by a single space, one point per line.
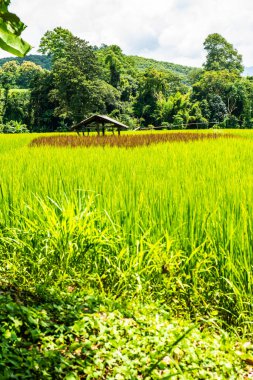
123 263
84 79
38 59
143 64
109 255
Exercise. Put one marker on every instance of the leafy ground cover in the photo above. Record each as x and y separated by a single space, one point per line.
109 256
76 336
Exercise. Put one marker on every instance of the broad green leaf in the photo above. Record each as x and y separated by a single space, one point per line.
10 29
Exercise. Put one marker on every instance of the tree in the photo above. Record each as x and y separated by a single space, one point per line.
27 72
217 108
42 106
216 92
10 30
55 42
9 73
119 70
78 87
155 86
225 95
18 106
221 55
178 110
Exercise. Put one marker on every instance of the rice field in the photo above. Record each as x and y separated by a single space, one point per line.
168 223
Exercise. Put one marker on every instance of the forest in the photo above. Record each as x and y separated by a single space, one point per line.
70 80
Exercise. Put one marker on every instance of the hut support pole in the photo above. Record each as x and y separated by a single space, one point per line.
118 132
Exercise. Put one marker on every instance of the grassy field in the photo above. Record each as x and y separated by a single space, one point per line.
159 237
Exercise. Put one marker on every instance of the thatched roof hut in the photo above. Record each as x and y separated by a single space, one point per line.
99 123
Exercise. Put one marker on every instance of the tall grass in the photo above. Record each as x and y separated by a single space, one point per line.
171 222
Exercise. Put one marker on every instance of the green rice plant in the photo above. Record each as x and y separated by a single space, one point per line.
170 223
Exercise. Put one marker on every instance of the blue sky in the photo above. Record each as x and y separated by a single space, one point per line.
169 30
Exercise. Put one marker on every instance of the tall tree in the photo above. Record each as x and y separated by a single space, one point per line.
221 55
78 87
9 74
153 86
42 106
28 71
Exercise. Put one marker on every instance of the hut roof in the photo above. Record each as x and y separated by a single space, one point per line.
96 119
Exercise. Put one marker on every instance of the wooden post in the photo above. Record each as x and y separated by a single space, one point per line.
118 131
103 129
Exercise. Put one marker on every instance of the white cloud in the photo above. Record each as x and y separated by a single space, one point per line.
172 30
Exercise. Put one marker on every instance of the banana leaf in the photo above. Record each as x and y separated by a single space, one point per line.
10 30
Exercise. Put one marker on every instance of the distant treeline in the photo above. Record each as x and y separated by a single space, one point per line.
71 80
39 59
141 63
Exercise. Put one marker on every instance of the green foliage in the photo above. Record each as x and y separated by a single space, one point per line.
13 126
138 91
180 111
27 73
154 88
143 64
221 94
9 74
38 59
42 105
230 121
217 108
197 256
177 231
55 42
17 107
75 336
77 87
221 55
10 29
119 70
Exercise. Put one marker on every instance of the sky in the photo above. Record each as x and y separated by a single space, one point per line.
168 30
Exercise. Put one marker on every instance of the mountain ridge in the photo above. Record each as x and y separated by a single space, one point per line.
141 63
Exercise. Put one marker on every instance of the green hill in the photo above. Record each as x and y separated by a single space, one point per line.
140 62
41 60
144 63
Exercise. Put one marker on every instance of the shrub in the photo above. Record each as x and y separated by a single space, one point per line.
14 126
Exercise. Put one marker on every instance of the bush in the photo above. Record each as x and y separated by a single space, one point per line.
13 126
178 122
230 121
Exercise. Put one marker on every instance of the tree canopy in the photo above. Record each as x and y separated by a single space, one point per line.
221 55
83 79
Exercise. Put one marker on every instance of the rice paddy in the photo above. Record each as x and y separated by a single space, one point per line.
165 223
127 140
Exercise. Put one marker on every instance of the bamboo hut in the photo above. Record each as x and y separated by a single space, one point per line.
100 124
